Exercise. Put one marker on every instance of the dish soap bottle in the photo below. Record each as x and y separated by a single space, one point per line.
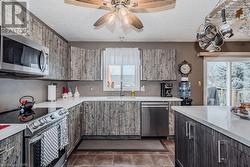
133 93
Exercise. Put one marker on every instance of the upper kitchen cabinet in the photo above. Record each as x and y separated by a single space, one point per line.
76 62
85 64
42 34
36 29
58 54
158 64
92 65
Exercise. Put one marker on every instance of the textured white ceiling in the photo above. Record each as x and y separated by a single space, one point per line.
76 23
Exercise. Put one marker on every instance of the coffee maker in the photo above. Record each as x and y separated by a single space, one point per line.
166 89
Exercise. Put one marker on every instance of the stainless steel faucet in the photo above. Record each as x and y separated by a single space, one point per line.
121 89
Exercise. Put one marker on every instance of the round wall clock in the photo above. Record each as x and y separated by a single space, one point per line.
185 68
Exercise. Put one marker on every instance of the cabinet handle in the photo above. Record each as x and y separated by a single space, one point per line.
187 129
221 159
191 129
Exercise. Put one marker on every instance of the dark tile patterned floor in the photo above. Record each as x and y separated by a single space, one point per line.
123 158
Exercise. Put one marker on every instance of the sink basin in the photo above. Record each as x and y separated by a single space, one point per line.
120 97
3 126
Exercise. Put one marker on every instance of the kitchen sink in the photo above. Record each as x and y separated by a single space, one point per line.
120 97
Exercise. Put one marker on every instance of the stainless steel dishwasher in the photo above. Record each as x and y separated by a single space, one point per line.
155 119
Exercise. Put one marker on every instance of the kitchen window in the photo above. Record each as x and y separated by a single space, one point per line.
227 80
121 68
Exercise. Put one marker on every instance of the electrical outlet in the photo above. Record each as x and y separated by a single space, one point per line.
142 88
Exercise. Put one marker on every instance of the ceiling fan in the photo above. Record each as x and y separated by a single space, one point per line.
124 9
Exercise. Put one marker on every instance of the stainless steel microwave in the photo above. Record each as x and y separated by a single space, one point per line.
21 55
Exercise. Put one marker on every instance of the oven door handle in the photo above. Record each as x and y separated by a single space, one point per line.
44 57
33 140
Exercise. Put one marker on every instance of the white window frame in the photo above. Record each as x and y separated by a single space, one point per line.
133 88
221 59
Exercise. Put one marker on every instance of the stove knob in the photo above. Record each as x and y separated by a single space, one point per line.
48 119
61 112
52 116
42 121
36 124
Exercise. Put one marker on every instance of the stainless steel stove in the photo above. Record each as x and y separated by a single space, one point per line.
40 123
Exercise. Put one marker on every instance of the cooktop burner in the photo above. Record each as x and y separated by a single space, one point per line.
15 116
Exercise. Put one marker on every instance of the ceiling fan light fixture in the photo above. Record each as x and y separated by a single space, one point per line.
123 12
126 20
112 18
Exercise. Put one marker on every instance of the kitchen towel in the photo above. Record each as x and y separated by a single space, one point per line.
63 134
49 146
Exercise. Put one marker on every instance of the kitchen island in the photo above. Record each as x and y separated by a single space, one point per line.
211 137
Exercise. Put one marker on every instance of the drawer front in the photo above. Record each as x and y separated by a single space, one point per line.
11 150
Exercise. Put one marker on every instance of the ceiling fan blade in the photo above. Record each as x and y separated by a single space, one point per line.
88 3
104 19
135 21
153 5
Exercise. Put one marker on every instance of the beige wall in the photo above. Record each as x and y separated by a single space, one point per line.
185 51
12 89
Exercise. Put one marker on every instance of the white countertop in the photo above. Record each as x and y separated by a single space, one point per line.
71 102
11 130
220 119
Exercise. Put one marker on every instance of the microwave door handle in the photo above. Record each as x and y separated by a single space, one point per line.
43 66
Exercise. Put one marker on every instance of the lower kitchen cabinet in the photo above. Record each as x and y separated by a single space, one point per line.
182 142
74 127
232 153
11 151
171 120
200 146
101 118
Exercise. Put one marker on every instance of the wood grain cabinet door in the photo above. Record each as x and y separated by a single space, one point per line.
91 69
232 153
184 141
78 123
158 64
130 121
114 109
181 141
206 153
76 62
171 119
85 64
89 117
237 157
70 131
74 127
11 151
36 30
